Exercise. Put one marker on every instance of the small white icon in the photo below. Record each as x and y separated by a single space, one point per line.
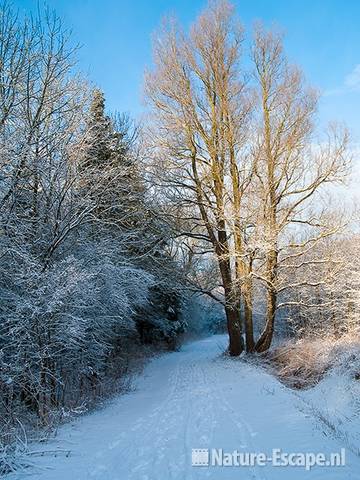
200 457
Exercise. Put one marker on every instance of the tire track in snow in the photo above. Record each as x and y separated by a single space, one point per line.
188 417
245 430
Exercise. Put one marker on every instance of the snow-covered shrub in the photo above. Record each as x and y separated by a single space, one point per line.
60 330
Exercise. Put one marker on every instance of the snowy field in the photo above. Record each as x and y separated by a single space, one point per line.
194 398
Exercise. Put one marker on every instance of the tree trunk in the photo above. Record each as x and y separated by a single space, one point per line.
232 300
248 315
265 339
236 343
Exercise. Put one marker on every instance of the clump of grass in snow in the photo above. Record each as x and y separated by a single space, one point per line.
303 363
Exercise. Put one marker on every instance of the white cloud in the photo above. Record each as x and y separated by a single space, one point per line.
351 83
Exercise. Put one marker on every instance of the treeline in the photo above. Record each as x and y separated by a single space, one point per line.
87 274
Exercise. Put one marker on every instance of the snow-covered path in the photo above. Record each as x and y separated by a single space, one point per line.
192 399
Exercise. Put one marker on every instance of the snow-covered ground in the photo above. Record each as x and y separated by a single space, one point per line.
336 401
194 398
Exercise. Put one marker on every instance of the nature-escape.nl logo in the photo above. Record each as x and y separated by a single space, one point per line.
217 457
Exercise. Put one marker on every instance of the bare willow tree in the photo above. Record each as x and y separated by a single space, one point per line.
201 113
291 169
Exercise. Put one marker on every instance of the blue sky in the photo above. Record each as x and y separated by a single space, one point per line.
322 36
